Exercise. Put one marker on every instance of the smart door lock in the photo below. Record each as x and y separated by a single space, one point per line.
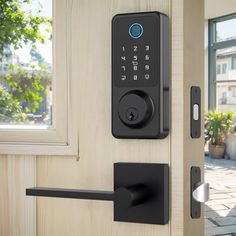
140 75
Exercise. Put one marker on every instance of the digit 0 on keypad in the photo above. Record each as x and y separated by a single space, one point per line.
140 75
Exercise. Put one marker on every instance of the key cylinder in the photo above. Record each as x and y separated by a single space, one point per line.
135 109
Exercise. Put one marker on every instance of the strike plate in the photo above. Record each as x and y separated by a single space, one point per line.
195 180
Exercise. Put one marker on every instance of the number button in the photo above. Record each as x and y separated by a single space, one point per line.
147 48
123 68
135 58
147 57
123 48
147 67
135 63
123 58
123 77
135 77
147 76
135 48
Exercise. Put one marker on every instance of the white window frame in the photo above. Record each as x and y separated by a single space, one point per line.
62 138
215 45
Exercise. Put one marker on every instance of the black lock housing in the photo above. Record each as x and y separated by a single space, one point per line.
140 75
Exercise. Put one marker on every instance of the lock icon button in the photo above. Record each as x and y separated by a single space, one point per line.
135 109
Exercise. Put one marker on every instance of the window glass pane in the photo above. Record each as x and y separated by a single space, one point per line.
218 69
224 68
226 96
26 62
225 59
234 63
226 30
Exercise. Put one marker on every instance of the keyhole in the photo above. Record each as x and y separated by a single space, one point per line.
132 114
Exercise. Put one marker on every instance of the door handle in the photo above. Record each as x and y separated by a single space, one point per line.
141 193
129 196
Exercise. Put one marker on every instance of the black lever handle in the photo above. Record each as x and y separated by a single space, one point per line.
140 193
127 196
70 193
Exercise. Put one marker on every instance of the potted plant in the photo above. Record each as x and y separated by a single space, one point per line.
217 127
231 144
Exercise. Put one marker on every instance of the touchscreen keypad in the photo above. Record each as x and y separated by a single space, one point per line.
135 64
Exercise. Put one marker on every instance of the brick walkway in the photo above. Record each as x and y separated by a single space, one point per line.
220 211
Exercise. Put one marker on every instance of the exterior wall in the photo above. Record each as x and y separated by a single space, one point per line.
226 92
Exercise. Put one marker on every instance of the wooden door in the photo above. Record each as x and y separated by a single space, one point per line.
90 27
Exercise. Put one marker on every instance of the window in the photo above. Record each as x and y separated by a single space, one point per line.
224 68
234 63
223 31
234 91
35 87
218 70
26 63
222 52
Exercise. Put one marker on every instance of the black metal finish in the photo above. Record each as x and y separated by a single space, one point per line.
195 180
195 101
140 76
155 178
141 193
71 193
135 109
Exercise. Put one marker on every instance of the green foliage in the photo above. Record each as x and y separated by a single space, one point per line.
28 87
10 108
17 27
217 126
24 89
36 56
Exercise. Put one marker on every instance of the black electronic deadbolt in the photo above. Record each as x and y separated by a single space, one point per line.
140 75
141 193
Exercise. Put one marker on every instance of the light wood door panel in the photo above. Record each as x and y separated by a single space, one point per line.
17 213
91 41
187 70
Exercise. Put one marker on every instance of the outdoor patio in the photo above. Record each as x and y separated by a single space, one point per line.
220 211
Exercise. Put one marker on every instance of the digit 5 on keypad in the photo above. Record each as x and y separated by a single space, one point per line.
140 75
